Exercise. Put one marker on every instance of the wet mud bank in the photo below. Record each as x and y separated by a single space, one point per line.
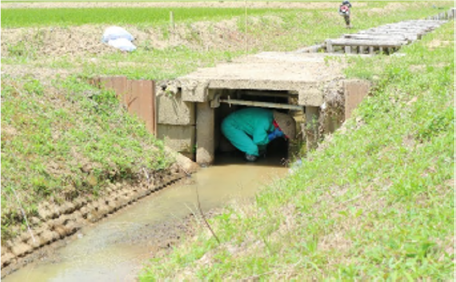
58 222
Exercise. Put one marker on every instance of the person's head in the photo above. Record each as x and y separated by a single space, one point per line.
286 123
346 2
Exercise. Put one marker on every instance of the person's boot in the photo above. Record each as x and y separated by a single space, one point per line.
250 158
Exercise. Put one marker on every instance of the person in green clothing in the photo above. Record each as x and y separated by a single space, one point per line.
250 129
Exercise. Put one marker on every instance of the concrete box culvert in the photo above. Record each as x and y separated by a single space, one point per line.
308 86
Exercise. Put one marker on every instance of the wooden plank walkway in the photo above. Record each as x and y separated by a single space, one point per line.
383 39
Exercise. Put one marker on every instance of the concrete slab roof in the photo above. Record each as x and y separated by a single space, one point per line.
304 73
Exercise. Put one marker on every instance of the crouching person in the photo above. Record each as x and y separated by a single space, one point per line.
251 129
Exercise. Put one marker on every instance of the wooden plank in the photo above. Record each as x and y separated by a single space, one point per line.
95 81
431 23
420 29
417 34
310 49
137 95
377 43
105 83
424 22
132 99
389 30
354 92
143 106
119 84
407 34
372 36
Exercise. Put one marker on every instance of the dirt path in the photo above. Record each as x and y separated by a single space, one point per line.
208 4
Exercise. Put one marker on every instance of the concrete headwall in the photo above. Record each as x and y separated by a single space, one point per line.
176 123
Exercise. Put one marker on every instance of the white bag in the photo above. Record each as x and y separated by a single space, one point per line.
122 44
115 32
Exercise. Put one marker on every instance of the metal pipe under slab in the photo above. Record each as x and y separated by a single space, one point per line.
268 94
262 104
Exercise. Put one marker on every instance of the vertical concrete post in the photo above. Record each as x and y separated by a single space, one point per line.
312 116
329 47
371 50
204 133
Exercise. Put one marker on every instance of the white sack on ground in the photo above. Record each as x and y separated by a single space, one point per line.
116 32
122 44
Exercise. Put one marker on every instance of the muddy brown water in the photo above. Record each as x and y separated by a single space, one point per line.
116 248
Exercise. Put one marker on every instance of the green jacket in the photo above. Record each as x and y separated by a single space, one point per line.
248 128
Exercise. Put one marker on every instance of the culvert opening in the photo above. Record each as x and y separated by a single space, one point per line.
277 151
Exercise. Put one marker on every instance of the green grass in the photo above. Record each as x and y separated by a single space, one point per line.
376 204
49 136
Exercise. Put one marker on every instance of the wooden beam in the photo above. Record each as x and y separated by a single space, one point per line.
372 36
376 43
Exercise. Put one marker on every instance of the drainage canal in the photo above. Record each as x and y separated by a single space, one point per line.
300 83
115 248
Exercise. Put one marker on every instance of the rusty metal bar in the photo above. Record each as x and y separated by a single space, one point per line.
261 104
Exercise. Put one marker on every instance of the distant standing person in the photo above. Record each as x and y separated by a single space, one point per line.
344 11
251 129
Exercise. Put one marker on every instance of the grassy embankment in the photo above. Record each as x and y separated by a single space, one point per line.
262 30
376 203
63 139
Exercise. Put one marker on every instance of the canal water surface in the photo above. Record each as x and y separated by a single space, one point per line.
115 248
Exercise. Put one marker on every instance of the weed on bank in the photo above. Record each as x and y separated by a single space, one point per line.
375 202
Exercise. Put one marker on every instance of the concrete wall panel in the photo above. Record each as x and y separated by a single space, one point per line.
310 95
172 110
194 91
178 137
